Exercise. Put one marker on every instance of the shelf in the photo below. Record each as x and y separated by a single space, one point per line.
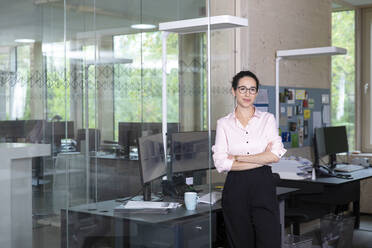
198 25
310 52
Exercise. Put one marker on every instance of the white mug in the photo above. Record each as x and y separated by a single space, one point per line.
191 199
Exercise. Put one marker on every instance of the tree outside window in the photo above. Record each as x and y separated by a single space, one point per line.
343 74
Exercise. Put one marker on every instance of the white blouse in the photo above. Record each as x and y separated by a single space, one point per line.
234 139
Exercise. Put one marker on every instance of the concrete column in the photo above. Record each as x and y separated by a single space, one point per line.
191 77
76 87
36 83
13 68
287 24
223 67
4 81
105 93
2 101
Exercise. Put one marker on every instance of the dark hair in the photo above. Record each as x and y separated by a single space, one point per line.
242 74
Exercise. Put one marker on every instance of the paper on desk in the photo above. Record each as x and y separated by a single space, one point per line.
286 165
211 198
290 176
288 169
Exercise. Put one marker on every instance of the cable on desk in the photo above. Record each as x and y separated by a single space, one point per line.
321 160
344 176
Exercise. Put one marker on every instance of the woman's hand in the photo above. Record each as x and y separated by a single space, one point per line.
231 157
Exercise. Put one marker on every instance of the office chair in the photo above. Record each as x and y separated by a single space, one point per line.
295 213
294 217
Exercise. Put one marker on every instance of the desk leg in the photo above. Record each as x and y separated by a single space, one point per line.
177 238
119 230
281 212
356 212
122 233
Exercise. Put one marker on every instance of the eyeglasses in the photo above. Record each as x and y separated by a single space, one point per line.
243 90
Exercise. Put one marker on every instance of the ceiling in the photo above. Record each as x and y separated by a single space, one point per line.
348 4
43 20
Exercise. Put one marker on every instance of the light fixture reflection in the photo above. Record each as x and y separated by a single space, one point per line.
143 26
24 40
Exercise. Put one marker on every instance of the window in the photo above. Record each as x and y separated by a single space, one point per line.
91 71
22 88
138 85
56 87
343 74
365 84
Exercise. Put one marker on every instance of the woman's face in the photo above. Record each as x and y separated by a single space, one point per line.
246 92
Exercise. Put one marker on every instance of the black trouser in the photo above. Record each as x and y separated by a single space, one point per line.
250 209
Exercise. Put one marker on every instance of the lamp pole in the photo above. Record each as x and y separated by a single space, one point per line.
277 113
164 102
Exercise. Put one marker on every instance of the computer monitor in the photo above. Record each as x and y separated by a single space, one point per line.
12 130
151 157
190 151
335 142
149 128
30 131
330 141
94 139
129 132
57 131
319 145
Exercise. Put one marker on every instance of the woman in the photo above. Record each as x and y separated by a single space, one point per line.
246 141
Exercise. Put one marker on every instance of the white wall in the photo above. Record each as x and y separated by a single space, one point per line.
287 24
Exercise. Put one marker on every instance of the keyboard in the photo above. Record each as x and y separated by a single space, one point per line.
348 167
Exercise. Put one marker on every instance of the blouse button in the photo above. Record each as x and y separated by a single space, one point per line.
246 132
247 141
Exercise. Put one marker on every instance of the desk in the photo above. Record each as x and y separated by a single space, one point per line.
16 192
179 228
113 177
365 185
331 191
69 167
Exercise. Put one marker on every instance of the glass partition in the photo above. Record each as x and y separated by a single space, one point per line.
82 81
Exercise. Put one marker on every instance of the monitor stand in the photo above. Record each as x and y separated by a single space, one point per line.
147 195
332 161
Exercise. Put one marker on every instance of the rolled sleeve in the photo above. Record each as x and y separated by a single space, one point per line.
220 150
273 137
221 162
